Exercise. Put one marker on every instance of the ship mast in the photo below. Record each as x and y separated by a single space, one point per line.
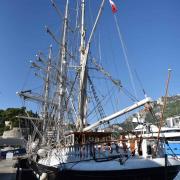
43 99
83 74
46 94
62 73
84 51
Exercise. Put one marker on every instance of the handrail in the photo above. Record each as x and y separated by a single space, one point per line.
99 151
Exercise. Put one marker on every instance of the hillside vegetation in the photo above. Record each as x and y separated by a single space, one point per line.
10 115
172 109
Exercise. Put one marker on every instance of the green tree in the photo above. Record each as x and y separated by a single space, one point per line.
10 115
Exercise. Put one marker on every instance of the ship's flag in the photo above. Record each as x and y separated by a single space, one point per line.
113 6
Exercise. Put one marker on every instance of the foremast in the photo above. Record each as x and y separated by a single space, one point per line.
44 99
46 95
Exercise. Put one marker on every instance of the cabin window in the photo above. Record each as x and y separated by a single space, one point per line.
69 140
108 138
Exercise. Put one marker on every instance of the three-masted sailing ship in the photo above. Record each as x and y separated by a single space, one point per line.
63 144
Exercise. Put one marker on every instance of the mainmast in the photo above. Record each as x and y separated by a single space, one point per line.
83 74
84 51
62 73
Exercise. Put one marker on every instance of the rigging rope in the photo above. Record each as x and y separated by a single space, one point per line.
99 106
99 49
115 82
125 55
173 153
109 95
144 92
26 78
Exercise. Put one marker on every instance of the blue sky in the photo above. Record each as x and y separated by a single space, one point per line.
151 32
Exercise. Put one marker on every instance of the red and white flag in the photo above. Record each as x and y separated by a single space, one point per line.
113 6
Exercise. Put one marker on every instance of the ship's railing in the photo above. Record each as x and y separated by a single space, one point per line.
97 151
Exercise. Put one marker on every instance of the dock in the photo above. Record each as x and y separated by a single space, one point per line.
7 169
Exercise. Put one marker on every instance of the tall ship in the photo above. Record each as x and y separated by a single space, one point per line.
71 137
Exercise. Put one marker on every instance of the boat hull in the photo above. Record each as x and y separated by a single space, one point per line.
160 173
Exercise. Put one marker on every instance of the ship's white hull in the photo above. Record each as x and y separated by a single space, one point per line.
132 168
145 169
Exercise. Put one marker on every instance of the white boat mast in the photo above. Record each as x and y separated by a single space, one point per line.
84 51
46 94
62 73
43 99
83 74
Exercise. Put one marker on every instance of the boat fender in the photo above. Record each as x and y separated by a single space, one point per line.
44 176
37 175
